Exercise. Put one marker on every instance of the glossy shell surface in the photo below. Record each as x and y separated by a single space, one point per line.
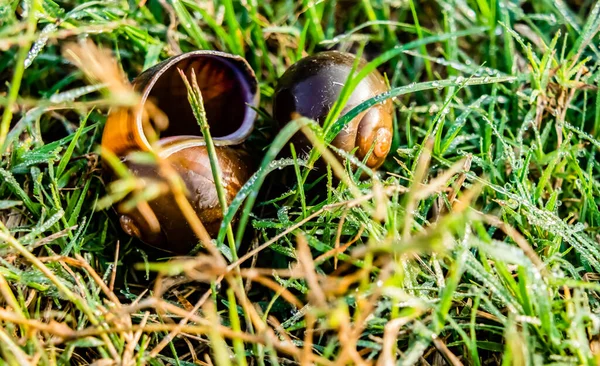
193 165
310 88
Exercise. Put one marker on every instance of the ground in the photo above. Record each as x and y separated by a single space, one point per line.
475 243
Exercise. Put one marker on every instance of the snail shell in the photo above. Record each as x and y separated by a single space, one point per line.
310 88
230 91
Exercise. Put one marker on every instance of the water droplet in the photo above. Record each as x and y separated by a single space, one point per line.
39 44
518 164
513 204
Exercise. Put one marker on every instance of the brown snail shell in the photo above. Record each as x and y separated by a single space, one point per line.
230 91
310 88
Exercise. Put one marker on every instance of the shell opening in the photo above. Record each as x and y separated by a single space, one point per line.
226 90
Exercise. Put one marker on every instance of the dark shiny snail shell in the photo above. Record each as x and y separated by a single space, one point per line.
230 91
310 88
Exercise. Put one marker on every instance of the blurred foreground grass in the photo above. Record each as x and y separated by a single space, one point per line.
476 243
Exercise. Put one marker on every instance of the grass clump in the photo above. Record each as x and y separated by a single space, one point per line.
476 243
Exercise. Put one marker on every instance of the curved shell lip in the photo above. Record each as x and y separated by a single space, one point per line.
240 65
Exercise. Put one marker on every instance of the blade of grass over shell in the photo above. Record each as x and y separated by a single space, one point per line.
196 102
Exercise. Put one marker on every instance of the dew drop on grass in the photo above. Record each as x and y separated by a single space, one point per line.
518 164
39 44
71 95
513 204
437 85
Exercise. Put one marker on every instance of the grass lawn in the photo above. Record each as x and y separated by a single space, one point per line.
477 241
